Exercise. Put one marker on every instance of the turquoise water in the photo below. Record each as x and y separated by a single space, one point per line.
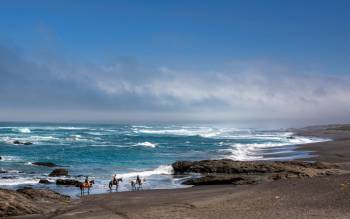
100 151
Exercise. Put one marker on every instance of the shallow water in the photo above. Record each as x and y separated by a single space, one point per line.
100 151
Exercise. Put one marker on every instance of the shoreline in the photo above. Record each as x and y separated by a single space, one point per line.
320 197
335 151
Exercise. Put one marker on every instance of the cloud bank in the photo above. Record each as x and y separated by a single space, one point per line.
129 91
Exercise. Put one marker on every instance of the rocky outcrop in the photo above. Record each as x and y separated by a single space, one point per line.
68 182
30 201
44 181
220 180
46 164
248 172
59 172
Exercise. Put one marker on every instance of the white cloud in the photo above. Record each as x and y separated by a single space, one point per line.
245 90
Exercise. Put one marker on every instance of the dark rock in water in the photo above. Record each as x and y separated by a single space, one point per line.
0 158
248 172
44 181
24 143
68 182
59 172
46 164
30 201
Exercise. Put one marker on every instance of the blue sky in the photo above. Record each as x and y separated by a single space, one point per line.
118 55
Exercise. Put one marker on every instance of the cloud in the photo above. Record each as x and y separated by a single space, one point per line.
127 90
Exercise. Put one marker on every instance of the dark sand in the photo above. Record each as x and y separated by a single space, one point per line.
318 197
336 151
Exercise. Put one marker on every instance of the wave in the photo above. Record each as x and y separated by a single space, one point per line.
33 139
10 158
18 181
72 128
23 130
96 133
203 132
216 133
161 170
146 144
252 151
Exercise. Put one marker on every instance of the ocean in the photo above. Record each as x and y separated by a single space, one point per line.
99 151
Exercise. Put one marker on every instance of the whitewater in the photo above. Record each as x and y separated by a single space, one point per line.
100 151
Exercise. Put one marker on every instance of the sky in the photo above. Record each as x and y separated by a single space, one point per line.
240 62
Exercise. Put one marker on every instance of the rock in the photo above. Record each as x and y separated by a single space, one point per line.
38 194
234 167
68 182
44 181
46 164
59 172
182 166
30 201
24 143
0 158
247 172
220 179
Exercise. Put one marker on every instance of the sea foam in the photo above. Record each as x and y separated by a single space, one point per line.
23 130
162 169
146 144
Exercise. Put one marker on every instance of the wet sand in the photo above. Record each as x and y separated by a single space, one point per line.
318 197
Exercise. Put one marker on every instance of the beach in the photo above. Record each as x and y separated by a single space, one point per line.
311 197
174 109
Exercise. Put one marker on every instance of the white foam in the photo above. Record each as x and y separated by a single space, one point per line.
203 132
18 181
96 133
146 144
162 169
244 152
10 158
70 128
23 130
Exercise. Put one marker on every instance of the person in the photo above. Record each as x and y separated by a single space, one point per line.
138 180
114 180
86 180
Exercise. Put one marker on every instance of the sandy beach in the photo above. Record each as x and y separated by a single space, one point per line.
316 197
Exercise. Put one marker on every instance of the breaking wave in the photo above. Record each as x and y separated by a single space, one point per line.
254 151
203 132
161 170
23 130
18 181
146 144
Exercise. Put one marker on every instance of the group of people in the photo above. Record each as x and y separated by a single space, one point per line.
135 184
